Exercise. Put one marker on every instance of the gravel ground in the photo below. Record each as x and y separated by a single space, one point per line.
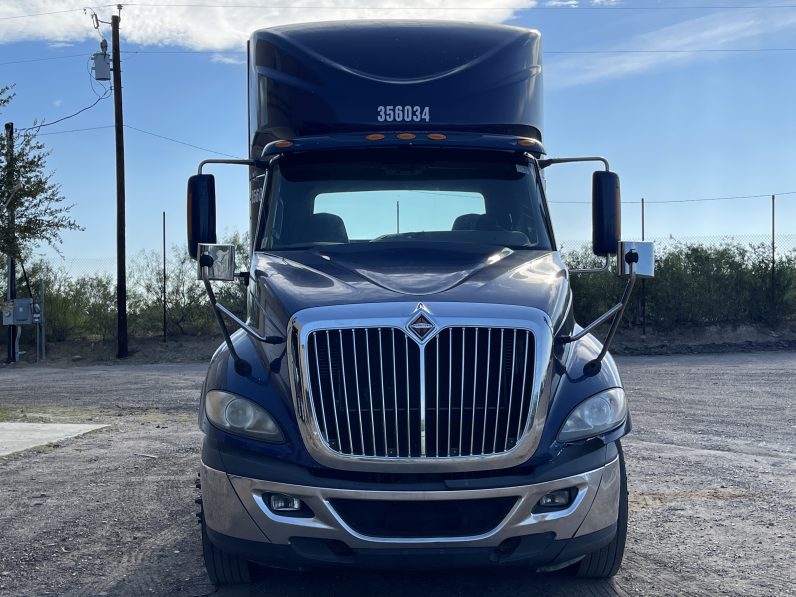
711 467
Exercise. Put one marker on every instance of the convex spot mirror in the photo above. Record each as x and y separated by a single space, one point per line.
606 213
643 261
201 211
218 261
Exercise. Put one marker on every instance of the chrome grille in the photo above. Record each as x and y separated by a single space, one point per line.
477 381
376 392
365 390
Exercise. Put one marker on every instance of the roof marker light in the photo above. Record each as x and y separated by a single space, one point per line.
406 136
375 137
436 136
527 142
283 144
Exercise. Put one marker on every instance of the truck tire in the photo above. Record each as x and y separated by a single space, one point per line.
605 562
223 568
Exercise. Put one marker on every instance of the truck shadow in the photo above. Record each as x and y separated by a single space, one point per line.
426 583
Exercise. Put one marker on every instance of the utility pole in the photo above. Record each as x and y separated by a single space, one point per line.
121 264
12 273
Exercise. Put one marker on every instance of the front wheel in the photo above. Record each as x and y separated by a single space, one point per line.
605 562
223 568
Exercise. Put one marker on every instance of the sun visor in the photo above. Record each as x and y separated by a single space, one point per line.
343 77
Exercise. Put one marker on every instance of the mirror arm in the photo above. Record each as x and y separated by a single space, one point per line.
247 328
594 270
242 366
617 311
258 163
593 367
592 326
550 161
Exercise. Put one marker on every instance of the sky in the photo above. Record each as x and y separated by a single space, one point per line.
687 99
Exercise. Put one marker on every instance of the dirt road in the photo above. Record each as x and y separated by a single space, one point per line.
711 463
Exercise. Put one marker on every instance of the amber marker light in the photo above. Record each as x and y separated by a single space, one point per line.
436 136
283 144
406 136
375 137
526 142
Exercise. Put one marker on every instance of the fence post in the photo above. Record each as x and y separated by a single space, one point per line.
164 277
643 282
773 259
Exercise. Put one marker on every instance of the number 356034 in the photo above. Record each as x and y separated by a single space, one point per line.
402 114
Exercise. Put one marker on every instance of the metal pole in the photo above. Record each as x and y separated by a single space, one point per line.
164 277
773 258
42 325
121 265
12 274
643 284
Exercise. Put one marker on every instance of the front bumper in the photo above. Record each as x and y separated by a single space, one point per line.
239 521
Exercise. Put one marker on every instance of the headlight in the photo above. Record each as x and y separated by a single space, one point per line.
241 416
598 414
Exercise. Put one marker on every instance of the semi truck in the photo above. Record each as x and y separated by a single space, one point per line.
408 387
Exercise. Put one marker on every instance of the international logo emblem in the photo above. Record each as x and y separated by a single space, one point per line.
421 326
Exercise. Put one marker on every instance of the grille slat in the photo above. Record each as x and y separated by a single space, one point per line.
478 406
345 396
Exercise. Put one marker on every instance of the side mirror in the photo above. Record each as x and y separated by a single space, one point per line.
641 255
606 213
201 211
218 261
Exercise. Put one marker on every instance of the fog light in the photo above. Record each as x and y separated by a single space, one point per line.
279 502
556 499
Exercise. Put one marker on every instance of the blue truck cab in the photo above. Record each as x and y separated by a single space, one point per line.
409 387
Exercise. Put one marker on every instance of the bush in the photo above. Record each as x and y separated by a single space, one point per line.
696 284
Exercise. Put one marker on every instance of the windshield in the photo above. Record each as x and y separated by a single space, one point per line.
416 195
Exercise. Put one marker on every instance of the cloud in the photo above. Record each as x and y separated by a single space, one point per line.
57 103
59 44
715 31
227 59
218 29
576 3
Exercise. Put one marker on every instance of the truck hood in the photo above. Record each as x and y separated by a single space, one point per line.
290 281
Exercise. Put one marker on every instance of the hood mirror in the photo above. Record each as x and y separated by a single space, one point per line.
642 257
217 262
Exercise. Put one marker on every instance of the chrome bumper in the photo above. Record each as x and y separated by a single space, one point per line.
234 507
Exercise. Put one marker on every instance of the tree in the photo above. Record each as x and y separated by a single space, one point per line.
41 213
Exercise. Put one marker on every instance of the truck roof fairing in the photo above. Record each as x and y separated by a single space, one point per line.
380 76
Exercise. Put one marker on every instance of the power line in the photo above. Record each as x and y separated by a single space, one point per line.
183 52
90 128
699 200
40 126
437 8
41 14
127 126
159 136
42 59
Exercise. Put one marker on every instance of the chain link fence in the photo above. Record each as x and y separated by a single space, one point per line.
698 281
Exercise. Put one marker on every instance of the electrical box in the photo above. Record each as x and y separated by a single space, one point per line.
18 312
102 66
